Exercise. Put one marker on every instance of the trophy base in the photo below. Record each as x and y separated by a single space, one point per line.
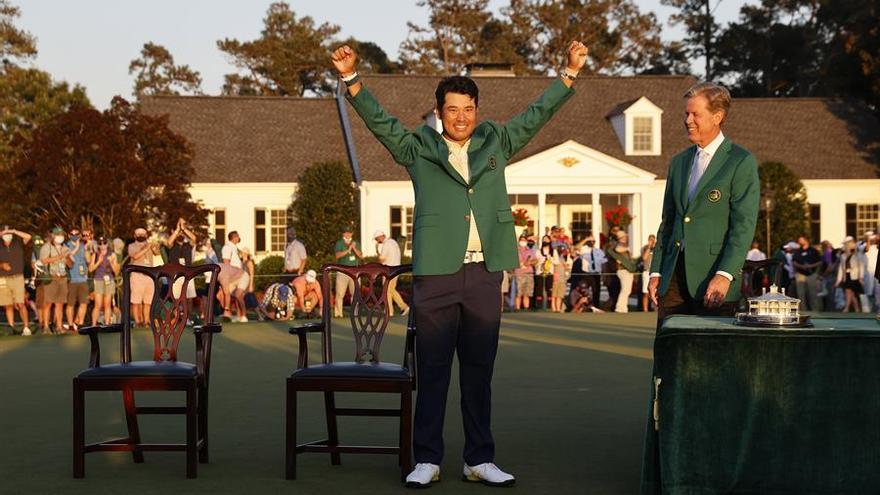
747 320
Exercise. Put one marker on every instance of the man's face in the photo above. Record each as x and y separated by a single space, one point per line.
346 237
380 239
236 239
652 240
459 116
701 124
803 242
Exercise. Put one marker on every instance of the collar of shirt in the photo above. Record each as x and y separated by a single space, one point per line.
455 147
712 147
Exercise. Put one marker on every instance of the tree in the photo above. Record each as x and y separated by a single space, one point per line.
789 217
15 44
289 58
852 65
451 40
672 59
326 200
156 73
699 23
621 38
773 50
372 58
112 171
28 98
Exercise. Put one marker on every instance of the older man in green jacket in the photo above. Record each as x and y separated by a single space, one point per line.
709 213
463 239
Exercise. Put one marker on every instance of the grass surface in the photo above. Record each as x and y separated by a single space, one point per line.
570 395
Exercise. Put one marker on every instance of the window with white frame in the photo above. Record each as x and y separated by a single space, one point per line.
279 230
260 230
862 217
401 225
643 134
220 224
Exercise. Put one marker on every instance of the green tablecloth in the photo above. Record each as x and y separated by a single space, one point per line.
765 411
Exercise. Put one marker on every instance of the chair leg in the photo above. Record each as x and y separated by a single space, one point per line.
203 423
290 435
405 432
191 430
79 426
332 430
134 434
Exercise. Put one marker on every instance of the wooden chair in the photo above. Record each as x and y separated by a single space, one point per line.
168 319
369 320
753 269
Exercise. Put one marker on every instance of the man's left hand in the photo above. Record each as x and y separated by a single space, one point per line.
577 56
717 291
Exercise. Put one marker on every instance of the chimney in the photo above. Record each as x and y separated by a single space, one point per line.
486 69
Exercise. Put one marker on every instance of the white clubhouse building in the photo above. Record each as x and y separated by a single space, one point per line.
610 145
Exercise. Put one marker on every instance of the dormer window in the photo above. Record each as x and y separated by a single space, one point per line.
637 124
643 134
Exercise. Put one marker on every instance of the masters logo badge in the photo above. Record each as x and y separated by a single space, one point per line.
492 162
714 195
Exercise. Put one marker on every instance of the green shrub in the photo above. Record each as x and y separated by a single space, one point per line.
267 271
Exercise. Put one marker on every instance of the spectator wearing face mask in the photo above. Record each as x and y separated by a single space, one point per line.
104 266
626 267
140 253
524 274
12 290
55 256
592 259
181 248
348 254
250 298
78 285
389 254
294 254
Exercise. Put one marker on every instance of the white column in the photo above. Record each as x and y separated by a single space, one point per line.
539 225
596 216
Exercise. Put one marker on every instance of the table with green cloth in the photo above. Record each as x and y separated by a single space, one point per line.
768 411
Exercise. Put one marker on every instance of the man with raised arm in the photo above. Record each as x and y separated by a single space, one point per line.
463 240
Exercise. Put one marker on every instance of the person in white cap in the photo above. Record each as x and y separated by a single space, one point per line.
389 255
869 257
308 292
849 275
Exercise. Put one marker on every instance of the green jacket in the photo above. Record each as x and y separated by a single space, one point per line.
717 226
443 200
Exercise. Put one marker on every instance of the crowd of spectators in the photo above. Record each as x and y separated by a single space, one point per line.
54 280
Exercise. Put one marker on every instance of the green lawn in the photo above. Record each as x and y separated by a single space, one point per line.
570 396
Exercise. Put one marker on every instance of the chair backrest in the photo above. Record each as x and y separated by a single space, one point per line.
771 267
169 309
369 307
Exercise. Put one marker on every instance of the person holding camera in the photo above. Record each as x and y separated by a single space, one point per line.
12 295
104 267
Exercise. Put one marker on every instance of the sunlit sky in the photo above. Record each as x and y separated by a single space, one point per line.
91 42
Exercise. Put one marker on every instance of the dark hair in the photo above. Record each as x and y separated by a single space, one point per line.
456 84
232 234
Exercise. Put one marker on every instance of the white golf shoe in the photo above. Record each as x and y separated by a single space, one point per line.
423 475
487 474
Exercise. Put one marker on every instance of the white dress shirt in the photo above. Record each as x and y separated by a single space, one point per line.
458 158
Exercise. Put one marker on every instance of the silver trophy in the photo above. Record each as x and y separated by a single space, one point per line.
773 309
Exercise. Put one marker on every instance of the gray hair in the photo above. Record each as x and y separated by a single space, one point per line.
717 95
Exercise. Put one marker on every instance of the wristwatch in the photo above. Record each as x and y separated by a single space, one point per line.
563 72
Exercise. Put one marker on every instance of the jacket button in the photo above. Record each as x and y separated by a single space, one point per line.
471 190
687 219
467 218
677 243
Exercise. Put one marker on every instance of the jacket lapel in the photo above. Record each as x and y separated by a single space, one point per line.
714 167
476 167
686 164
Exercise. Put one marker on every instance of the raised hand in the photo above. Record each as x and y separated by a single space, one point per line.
577 56
344 60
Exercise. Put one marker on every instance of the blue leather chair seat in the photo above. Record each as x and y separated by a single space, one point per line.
141 368
353 370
